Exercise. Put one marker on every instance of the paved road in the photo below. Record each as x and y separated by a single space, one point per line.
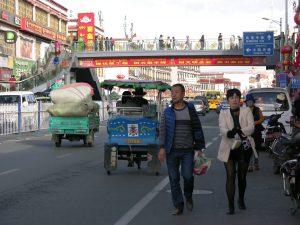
44 185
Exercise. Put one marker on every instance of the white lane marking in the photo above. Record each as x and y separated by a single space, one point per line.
9 171
63 156
216 138
127 217
208 144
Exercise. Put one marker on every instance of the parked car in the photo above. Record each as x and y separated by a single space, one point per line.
205 101
199 106
17 97
222 106
274 101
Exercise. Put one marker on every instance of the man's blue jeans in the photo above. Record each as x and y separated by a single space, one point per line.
186 161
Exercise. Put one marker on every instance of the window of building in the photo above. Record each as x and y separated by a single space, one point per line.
38 50
63 27
8 5
54 23
41 17
25 9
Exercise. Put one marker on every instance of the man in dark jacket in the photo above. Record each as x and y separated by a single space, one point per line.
180 135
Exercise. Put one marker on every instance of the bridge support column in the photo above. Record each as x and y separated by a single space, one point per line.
69 77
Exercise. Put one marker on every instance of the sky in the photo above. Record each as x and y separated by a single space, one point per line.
180 18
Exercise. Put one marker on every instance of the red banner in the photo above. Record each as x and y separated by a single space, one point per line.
86 28
199 61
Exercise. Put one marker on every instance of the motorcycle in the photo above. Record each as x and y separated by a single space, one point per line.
286 147
291 175
272 131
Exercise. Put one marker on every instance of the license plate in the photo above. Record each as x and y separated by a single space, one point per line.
133 141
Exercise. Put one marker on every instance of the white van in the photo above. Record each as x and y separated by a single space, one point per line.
13 97
272 101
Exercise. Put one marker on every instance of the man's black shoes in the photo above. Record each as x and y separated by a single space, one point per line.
189 204
230 211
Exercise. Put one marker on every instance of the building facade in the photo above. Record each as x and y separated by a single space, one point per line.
37 24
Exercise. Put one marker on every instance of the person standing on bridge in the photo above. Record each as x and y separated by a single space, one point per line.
220 41
180 138
202 42
236 127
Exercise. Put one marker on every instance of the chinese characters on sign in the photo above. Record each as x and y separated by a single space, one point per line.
221 61
86 29
32 27
258 43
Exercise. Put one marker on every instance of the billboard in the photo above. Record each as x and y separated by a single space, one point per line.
86 28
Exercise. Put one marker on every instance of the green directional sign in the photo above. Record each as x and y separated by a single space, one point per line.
10 37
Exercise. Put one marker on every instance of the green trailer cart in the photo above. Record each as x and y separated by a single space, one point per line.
74 128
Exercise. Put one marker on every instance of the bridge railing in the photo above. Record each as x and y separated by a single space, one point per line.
34 118
157 45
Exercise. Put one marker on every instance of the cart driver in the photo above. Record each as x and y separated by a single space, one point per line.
126 101
138 97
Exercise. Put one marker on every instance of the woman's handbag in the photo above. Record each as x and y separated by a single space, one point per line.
201 164
246 144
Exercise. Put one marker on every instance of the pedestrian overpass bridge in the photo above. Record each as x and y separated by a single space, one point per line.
141 53
79 63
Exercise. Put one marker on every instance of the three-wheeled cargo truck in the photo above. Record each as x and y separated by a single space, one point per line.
74 128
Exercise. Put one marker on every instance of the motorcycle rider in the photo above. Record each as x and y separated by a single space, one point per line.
258 119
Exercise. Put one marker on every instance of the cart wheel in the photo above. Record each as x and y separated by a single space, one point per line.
58 144
108 172
139 164
156 173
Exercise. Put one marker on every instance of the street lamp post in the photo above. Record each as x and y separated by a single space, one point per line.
281 36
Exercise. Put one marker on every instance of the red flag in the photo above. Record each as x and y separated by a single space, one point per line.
133 36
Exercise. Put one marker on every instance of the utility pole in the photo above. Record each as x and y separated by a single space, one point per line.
100 17
286 22
125 28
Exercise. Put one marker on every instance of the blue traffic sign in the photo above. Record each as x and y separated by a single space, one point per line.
295 82
258 43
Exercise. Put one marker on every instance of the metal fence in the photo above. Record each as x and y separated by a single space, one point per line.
14 119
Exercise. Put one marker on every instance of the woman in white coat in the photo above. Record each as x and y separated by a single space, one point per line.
236 126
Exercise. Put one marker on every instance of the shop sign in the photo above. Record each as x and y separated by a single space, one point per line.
120 76
10 18
4 15
21 65
61 37
295 82
17 21
42 31
10 37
